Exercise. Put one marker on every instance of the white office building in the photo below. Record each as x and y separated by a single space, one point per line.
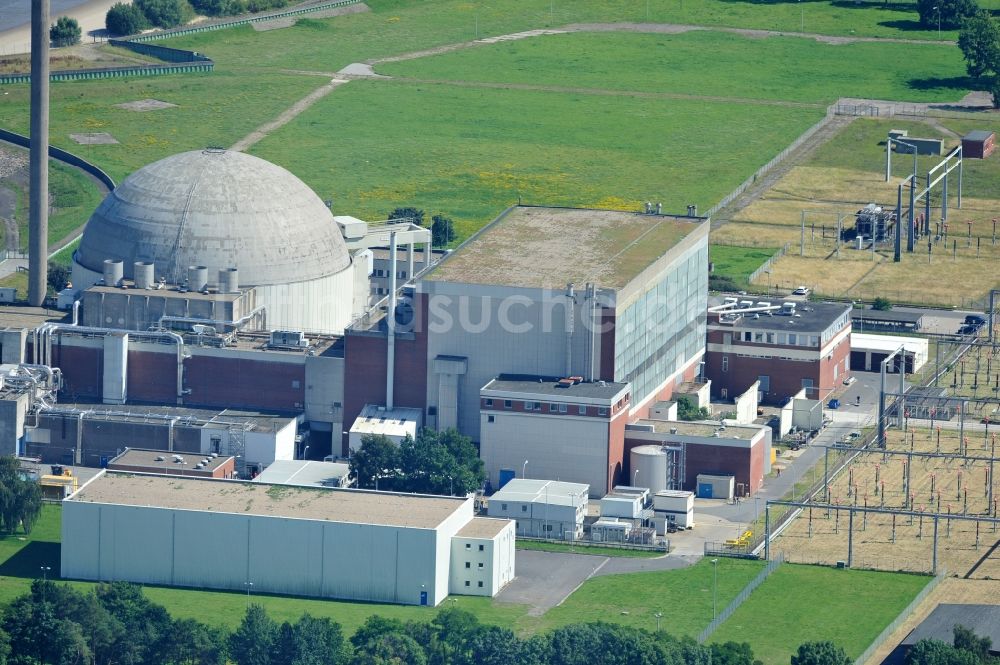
542 508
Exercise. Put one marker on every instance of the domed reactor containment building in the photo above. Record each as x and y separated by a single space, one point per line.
222 237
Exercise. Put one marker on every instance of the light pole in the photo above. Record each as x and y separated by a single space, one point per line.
45 571
524 469
249 586
938 10
802 17
658 615
715 589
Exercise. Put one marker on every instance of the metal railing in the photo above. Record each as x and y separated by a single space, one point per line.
898 621
738 600
61 155
777 159
259 18
766 266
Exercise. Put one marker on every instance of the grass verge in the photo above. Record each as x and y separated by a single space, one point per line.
684 597
595 550
738 263
784 612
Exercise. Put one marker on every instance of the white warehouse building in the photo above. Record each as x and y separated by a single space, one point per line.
332 543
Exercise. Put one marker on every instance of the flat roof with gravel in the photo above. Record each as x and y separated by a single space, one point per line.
689 428
482 527
162 458
262 499
551 247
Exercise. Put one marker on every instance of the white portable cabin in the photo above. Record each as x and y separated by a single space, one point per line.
675 506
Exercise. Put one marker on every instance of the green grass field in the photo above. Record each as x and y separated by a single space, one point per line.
469 153
738 263
400 26
683 596
808 603
779 68
212 110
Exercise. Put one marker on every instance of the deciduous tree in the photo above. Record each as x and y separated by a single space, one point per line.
950 12
65 32
820 653
125 19
254 641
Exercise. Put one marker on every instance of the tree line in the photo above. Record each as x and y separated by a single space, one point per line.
432 463
131 18
116 624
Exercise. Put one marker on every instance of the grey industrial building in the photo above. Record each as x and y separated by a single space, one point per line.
331 543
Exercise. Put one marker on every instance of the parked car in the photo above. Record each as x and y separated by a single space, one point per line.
849 380
801 291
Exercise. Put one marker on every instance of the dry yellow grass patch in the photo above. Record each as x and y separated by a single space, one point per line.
815 188
827 277
944 281
954 276
755 235
936 485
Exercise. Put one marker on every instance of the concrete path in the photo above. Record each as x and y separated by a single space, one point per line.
679 28
617 565
546 579
287 115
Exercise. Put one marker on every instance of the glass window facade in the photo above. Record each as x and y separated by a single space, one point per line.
657 334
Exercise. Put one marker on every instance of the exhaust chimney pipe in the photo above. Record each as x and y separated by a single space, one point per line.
390 321
38 195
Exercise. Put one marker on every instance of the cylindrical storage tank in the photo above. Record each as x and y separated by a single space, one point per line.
229 280
197 278
648 466
143 271
114 271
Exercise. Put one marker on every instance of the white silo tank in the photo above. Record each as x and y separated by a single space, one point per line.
197 277
114 271
229 280
143 273
648 466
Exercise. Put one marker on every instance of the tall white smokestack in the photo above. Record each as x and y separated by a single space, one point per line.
38 196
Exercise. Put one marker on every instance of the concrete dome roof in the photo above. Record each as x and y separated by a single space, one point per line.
218 209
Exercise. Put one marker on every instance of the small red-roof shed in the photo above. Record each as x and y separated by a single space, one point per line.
978 144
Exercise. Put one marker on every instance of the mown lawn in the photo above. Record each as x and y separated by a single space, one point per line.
785 68
800 603
401 26
682 596
212 109
469 153
737 263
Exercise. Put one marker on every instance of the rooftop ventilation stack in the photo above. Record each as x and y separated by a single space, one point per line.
114 271
142 272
